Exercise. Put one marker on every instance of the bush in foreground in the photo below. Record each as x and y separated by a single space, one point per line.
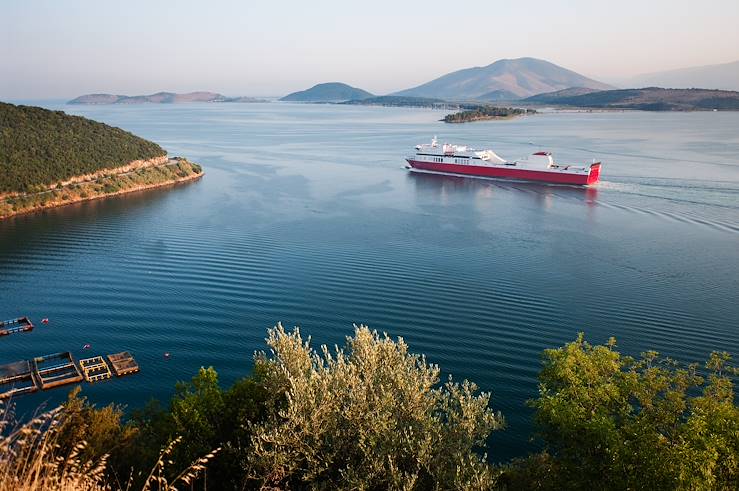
368 416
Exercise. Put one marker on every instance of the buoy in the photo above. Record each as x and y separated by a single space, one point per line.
87 346
45 320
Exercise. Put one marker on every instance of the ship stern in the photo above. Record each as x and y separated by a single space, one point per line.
594 175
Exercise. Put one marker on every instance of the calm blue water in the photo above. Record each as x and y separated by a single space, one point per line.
306 216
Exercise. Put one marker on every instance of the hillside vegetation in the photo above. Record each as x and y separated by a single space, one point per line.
372 415
648 99
39 147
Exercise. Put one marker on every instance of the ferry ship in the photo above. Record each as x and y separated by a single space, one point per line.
462 160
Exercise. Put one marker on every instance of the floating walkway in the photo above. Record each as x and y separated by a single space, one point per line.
12 326
58 369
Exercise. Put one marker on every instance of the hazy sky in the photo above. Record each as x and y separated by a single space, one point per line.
56 48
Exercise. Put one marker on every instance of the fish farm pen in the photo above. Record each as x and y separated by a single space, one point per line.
12 326
57 369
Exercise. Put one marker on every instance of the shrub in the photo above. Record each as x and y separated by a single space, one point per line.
643 423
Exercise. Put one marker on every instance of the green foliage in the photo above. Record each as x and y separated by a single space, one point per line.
369 416
101 428
374 416
643 423
40 147
202 416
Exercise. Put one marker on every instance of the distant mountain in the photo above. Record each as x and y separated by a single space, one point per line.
648 99
328 92
523 77
498 95
724 76
158 98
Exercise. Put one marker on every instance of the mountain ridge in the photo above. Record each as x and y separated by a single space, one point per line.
721 76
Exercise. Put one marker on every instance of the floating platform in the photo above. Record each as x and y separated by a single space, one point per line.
55 370
16 378
12 326
123 363
95 369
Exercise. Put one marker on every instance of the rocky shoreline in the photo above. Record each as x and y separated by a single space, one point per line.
86 188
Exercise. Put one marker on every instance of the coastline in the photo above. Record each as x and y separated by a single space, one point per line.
196 174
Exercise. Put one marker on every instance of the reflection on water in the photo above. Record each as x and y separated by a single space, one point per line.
305 216
484 192
63 220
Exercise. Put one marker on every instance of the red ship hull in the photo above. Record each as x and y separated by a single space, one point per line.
509 173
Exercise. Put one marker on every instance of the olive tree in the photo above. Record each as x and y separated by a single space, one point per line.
369 415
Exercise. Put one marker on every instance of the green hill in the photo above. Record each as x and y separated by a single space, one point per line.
647 99
328 92
39 147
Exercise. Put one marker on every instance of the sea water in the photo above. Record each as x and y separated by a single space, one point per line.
306 216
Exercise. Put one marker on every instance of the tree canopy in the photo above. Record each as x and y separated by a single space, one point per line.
637 423
39 147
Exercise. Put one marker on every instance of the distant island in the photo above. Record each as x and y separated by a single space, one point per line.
49 158
486 113
159 98
647 99
467 111
328 92
400 101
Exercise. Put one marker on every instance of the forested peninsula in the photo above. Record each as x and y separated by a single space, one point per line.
49 158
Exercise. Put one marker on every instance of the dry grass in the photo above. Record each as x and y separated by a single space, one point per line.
31 460
29 457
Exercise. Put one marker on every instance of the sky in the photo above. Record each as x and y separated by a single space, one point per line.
63 48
